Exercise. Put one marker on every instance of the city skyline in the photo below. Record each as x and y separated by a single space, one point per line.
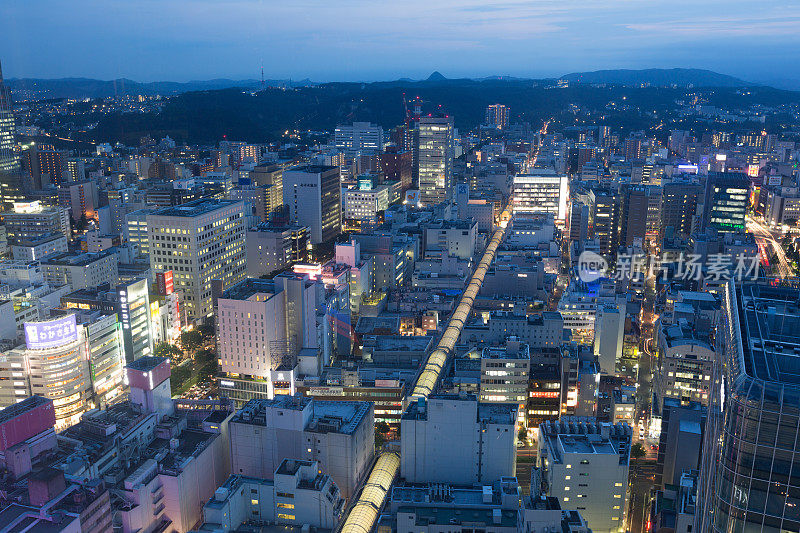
359 41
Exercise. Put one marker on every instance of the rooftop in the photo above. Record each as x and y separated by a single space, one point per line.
769 318
246 289
17 409
455 515
76 259
195 208
146 364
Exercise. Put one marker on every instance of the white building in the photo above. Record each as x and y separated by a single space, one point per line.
585 465
135 230
457 238
31 219
504 373
261 326
299 495
360 136
435 153
360 204
313 195
609 330
199 242
39 247
81 270
455 439
541 193
340 435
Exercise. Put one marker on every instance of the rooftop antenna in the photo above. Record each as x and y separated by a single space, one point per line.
263 83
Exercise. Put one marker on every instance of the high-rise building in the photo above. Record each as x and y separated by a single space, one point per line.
396 165
268 334
685 364
199 241
541 193
640 214
679 207
313 193
45 166
81 270
271 248
81 198
504 374
680 441
605 219
585 465
751 453
11 183
579 222
436 148
358 137
725 202
497 116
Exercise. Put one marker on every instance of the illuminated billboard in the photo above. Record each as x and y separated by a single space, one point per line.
51 334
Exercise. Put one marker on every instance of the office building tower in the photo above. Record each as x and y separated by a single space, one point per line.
365 203
11 182
358 137
497 116
396 165
131 301
609 331
200 241
679 207
640 213
271 248
313 193
38 248
456 439
46 167
340 435
685 364
75 360
751 453
605 219
725 202
579 222
541 193
135 230
504 374
584 463
681 440
435 147
28 220
80 198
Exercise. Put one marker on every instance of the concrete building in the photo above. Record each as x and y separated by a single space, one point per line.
359 137
457 238
135 230
340 435
39 247
435 149
585 464
681 440
298 495
200 241
81 270
365 204
456 439
685 364
609 330
725 203
541 193
270 248
497 116
31 219
81 198
313 195
504 374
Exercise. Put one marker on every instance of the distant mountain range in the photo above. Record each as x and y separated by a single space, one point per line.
27 88
34 88
658 77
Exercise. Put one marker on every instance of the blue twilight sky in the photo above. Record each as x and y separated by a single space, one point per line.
148 40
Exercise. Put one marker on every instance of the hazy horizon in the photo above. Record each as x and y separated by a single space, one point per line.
355 40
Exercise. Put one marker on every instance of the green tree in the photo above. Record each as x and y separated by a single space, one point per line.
522 435
165 349
191 340
207 331
638 452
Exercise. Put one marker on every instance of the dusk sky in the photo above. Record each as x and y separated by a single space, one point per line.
149 40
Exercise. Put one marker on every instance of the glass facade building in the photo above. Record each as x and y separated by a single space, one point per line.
750 477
